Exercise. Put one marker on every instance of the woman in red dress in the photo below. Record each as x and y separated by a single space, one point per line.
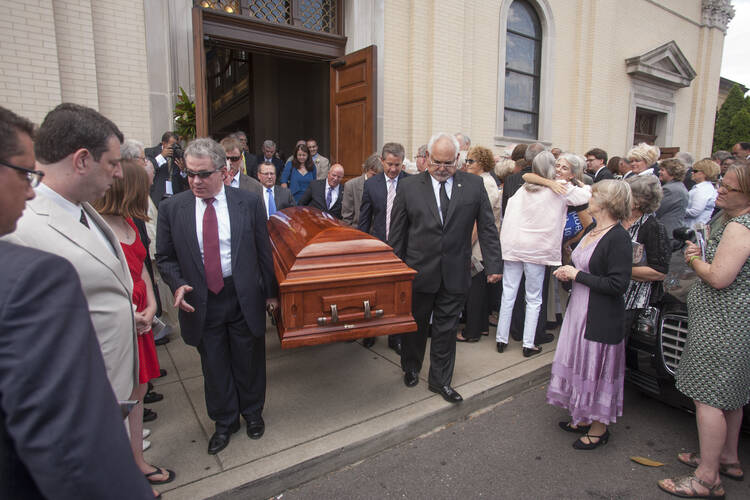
126 199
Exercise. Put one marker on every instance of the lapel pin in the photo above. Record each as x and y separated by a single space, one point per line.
459 185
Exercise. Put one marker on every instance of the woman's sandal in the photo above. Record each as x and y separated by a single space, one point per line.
692 459
160 471
600 440
684 488
568 427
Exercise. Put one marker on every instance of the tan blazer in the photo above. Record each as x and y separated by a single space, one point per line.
105 279
352 201
322 164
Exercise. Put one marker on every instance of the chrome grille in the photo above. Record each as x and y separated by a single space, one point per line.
674 329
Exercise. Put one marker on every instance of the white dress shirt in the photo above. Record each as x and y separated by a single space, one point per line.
235 183
388 180
225 235
74 209
701 201
334 194
265 200
436 189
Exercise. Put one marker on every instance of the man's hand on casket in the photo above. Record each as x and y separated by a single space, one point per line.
179 298
494 278
272 304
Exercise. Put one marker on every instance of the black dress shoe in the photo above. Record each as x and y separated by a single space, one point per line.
220 439
448 393
501 346
149 415
531 351
152 397
256 428
395 345
162 372
368 341
544 338
411 378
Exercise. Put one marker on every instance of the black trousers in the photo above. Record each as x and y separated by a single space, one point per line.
233 361
519 309
445 308
477 307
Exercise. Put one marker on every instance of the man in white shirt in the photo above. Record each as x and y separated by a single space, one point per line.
275 197
325 194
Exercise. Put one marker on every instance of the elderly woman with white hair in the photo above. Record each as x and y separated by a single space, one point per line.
642 159
531 238
702 196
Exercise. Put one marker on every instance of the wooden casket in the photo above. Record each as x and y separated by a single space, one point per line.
335 282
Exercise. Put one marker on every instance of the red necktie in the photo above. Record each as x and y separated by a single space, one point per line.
211 255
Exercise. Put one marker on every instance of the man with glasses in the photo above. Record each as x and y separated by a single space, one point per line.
78 150
431 229
326 194
53 381
217 262
235 177
596 165
275 197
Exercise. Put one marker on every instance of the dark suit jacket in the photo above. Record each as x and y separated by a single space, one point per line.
512 183
161 176
179 259
259 159
61 430
610 268
315 197
443 252
671 211
282 197
250 184
251 164
373 207
604 173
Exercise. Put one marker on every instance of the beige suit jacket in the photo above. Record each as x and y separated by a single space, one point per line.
353 189
105 279
322 164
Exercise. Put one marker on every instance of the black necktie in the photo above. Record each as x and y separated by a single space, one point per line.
444 201
83 220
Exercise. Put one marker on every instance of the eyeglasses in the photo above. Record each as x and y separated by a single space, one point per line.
234 158
446 164
33 176
203 175
727 188
268 174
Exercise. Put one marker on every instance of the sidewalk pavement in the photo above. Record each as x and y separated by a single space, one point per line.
326 407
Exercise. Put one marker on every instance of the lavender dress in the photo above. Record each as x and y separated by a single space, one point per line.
587 377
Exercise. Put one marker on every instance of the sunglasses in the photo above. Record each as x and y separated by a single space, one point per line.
203 175
234 158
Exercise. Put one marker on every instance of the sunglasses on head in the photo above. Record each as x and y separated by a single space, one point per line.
203 175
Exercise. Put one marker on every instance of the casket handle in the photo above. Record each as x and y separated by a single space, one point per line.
334 316
368 313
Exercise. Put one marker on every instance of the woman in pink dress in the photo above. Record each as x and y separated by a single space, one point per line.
128 198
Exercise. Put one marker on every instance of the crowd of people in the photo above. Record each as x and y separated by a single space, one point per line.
524 239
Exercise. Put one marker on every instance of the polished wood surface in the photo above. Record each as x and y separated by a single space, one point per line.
329 275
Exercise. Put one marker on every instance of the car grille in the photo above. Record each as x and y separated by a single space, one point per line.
674 329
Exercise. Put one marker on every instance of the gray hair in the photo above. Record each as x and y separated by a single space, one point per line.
532 150
443 135
543 165
465 139
269 144
131 149
393 148
687 159
422 150
372 163
614 196
576 163
206 147
647 192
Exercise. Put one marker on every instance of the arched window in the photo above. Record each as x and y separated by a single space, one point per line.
523 54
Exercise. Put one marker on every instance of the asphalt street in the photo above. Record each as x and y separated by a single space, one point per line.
516 450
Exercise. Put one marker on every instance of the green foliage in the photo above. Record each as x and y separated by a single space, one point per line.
732 121
184 116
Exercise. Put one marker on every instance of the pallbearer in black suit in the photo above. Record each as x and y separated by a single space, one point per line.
275 197
431 224
213 251
378 196
326 194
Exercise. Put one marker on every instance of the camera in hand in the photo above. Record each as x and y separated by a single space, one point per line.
177 152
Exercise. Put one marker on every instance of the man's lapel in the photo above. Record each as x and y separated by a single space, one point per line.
237 209
456 195
429 195
187 212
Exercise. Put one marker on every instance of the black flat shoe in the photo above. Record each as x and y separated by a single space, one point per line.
567 427
149 415
396 346
603 439
411 378
448 393
220 440
501 346
152 397
531 351
368 341
544 338
256 428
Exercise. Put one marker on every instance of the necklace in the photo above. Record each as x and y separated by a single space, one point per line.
597 231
